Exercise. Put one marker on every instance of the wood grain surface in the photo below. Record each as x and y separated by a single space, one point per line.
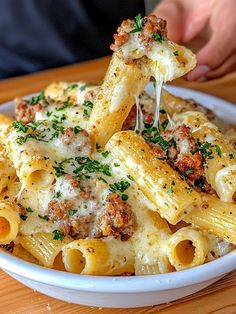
15 298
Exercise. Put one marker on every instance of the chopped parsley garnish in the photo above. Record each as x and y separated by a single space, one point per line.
102 179
87 166
164 124
138 24
71 86
171 190
130 177
124 197
29 210
49 113
43 217
105 154
205 149
152 135
34 125
21 127
158 37
36 99
58 194
64 106
218 150
176 53
57 128
88 104
119 186
59 168
23 139
231 156
86 112
116 164
71 212
77 129
58 235
23 217
188 171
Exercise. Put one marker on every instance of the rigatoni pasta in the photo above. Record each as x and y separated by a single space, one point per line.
97 180
155 177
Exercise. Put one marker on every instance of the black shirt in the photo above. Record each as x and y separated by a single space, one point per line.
40 34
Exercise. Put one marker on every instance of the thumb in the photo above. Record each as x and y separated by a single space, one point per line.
213 54
172 12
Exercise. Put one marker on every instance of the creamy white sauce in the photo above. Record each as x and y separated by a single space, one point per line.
158 88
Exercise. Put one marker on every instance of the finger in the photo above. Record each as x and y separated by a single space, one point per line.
227 67
197 19
217 50
213 55
172 12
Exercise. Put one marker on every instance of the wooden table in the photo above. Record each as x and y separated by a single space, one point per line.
18 299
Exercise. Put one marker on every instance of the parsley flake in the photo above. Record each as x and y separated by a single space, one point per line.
29 210
23 217
188 171
58 235
130 177
119 186
21 127
158 37
71 212
105 154
171 190
36 99
138 24
58 194
124 197
43 217
218 150
77 129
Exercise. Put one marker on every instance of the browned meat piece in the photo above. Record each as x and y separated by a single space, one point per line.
58 210
24 112
117 219
184 140
190 165
150 25
80 140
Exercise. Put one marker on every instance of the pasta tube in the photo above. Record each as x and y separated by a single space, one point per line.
158 181
99 257
9 223
187 248
7 171
20 252
122 83
33 168
44 248
220 162
217 217
149 244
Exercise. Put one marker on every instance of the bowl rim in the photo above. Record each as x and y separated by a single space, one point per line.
113 284
129 284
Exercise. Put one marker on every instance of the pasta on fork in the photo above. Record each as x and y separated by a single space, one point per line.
109 180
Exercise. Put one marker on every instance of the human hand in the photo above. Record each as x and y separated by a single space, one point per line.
190 20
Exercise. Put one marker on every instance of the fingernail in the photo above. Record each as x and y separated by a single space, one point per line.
198 73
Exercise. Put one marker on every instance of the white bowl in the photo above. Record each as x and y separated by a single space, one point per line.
125 292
